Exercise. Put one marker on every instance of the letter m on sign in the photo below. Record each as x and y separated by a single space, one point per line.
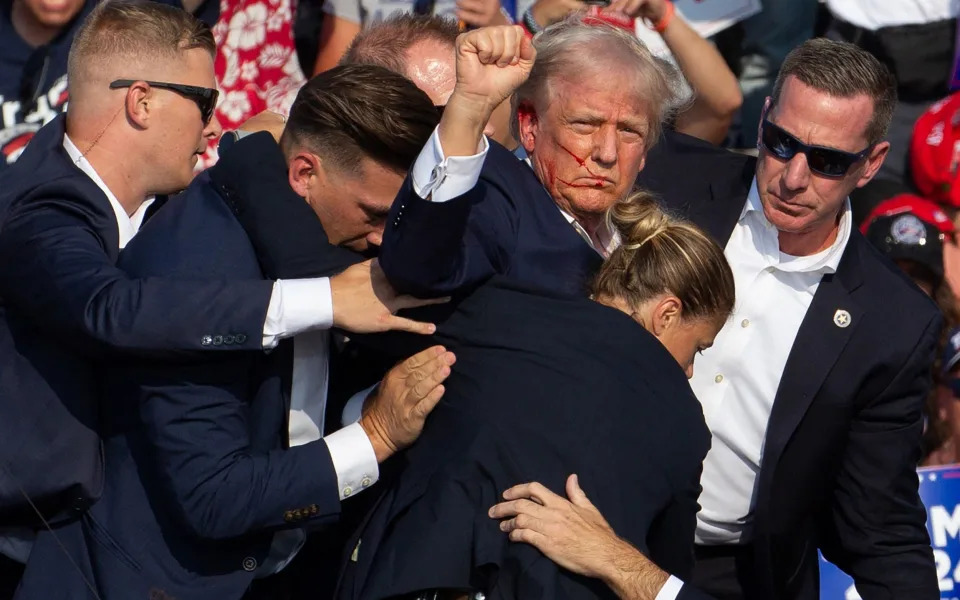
944 525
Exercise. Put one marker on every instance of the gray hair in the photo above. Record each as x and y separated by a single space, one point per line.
574 45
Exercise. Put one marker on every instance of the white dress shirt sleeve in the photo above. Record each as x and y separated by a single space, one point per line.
438 178
670 590
296 306
353 459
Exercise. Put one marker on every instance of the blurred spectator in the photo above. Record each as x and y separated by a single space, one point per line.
716 92
35 39
345 18
934 156
256 64
768 36
422 49
913 232
915 40
944 422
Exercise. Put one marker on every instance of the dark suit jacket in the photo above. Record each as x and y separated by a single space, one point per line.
843 439
63 301
545 385
506 225
198 475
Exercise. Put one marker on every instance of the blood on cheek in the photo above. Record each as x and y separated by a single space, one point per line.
583 163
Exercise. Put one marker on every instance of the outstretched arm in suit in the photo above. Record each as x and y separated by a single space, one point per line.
60 273
575 535
875 530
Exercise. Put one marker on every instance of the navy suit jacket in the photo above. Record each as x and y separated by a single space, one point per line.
63 302
506 225
843 439
198 475
545 385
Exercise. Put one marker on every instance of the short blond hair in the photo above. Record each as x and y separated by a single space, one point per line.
135 30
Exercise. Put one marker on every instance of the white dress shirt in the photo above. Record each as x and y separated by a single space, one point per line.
302 308
736 380
875 14
440 178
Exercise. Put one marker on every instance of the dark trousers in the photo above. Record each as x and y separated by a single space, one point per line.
725 572
10 574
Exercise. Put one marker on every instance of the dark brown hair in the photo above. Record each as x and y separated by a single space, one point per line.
135 30
842 70
661 254
356 111
386 43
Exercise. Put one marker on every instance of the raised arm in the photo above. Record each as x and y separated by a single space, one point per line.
445 231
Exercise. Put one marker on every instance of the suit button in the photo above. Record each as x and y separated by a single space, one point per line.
313 509
288 516
217 340
229 339
206 340
249 563
240 338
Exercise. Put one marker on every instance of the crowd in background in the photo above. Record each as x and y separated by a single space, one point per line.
267 50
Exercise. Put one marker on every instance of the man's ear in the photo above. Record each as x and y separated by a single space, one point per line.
873 162
665 314
528 125
138 104
305 172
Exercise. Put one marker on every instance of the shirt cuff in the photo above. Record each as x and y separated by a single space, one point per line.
670 590
438 178
354 408
296 306
353 459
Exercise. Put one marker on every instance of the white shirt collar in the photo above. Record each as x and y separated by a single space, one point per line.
127 226
825 261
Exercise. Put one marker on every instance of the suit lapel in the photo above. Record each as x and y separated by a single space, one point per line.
719 215
819 342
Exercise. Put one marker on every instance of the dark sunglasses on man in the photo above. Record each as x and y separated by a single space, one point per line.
828 162
205 98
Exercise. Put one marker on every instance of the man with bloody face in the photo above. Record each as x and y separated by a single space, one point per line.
589 102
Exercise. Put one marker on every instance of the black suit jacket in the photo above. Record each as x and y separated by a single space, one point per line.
198 472
843 439
545 385
63 303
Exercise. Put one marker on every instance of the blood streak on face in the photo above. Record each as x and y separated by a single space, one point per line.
583 163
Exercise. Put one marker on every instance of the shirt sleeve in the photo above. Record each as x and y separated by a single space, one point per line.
438 178
296 306
670 590
353 459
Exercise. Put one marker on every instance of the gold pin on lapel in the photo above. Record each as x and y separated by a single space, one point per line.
841 318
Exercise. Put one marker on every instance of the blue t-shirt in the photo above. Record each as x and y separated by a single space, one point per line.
33 83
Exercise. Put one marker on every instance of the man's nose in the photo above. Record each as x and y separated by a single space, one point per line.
605 147
213 129
797 174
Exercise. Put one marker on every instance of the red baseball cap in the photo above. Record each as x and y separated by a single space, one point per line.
935 152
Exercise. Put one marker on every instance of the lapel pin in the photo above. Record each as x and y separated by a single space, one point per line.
841 318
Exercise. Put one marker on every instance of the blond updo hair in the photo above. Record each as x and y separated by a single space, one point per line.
660 254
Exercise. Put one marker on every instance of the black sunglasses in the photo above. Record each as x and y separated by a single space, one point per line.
828 162
205 98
